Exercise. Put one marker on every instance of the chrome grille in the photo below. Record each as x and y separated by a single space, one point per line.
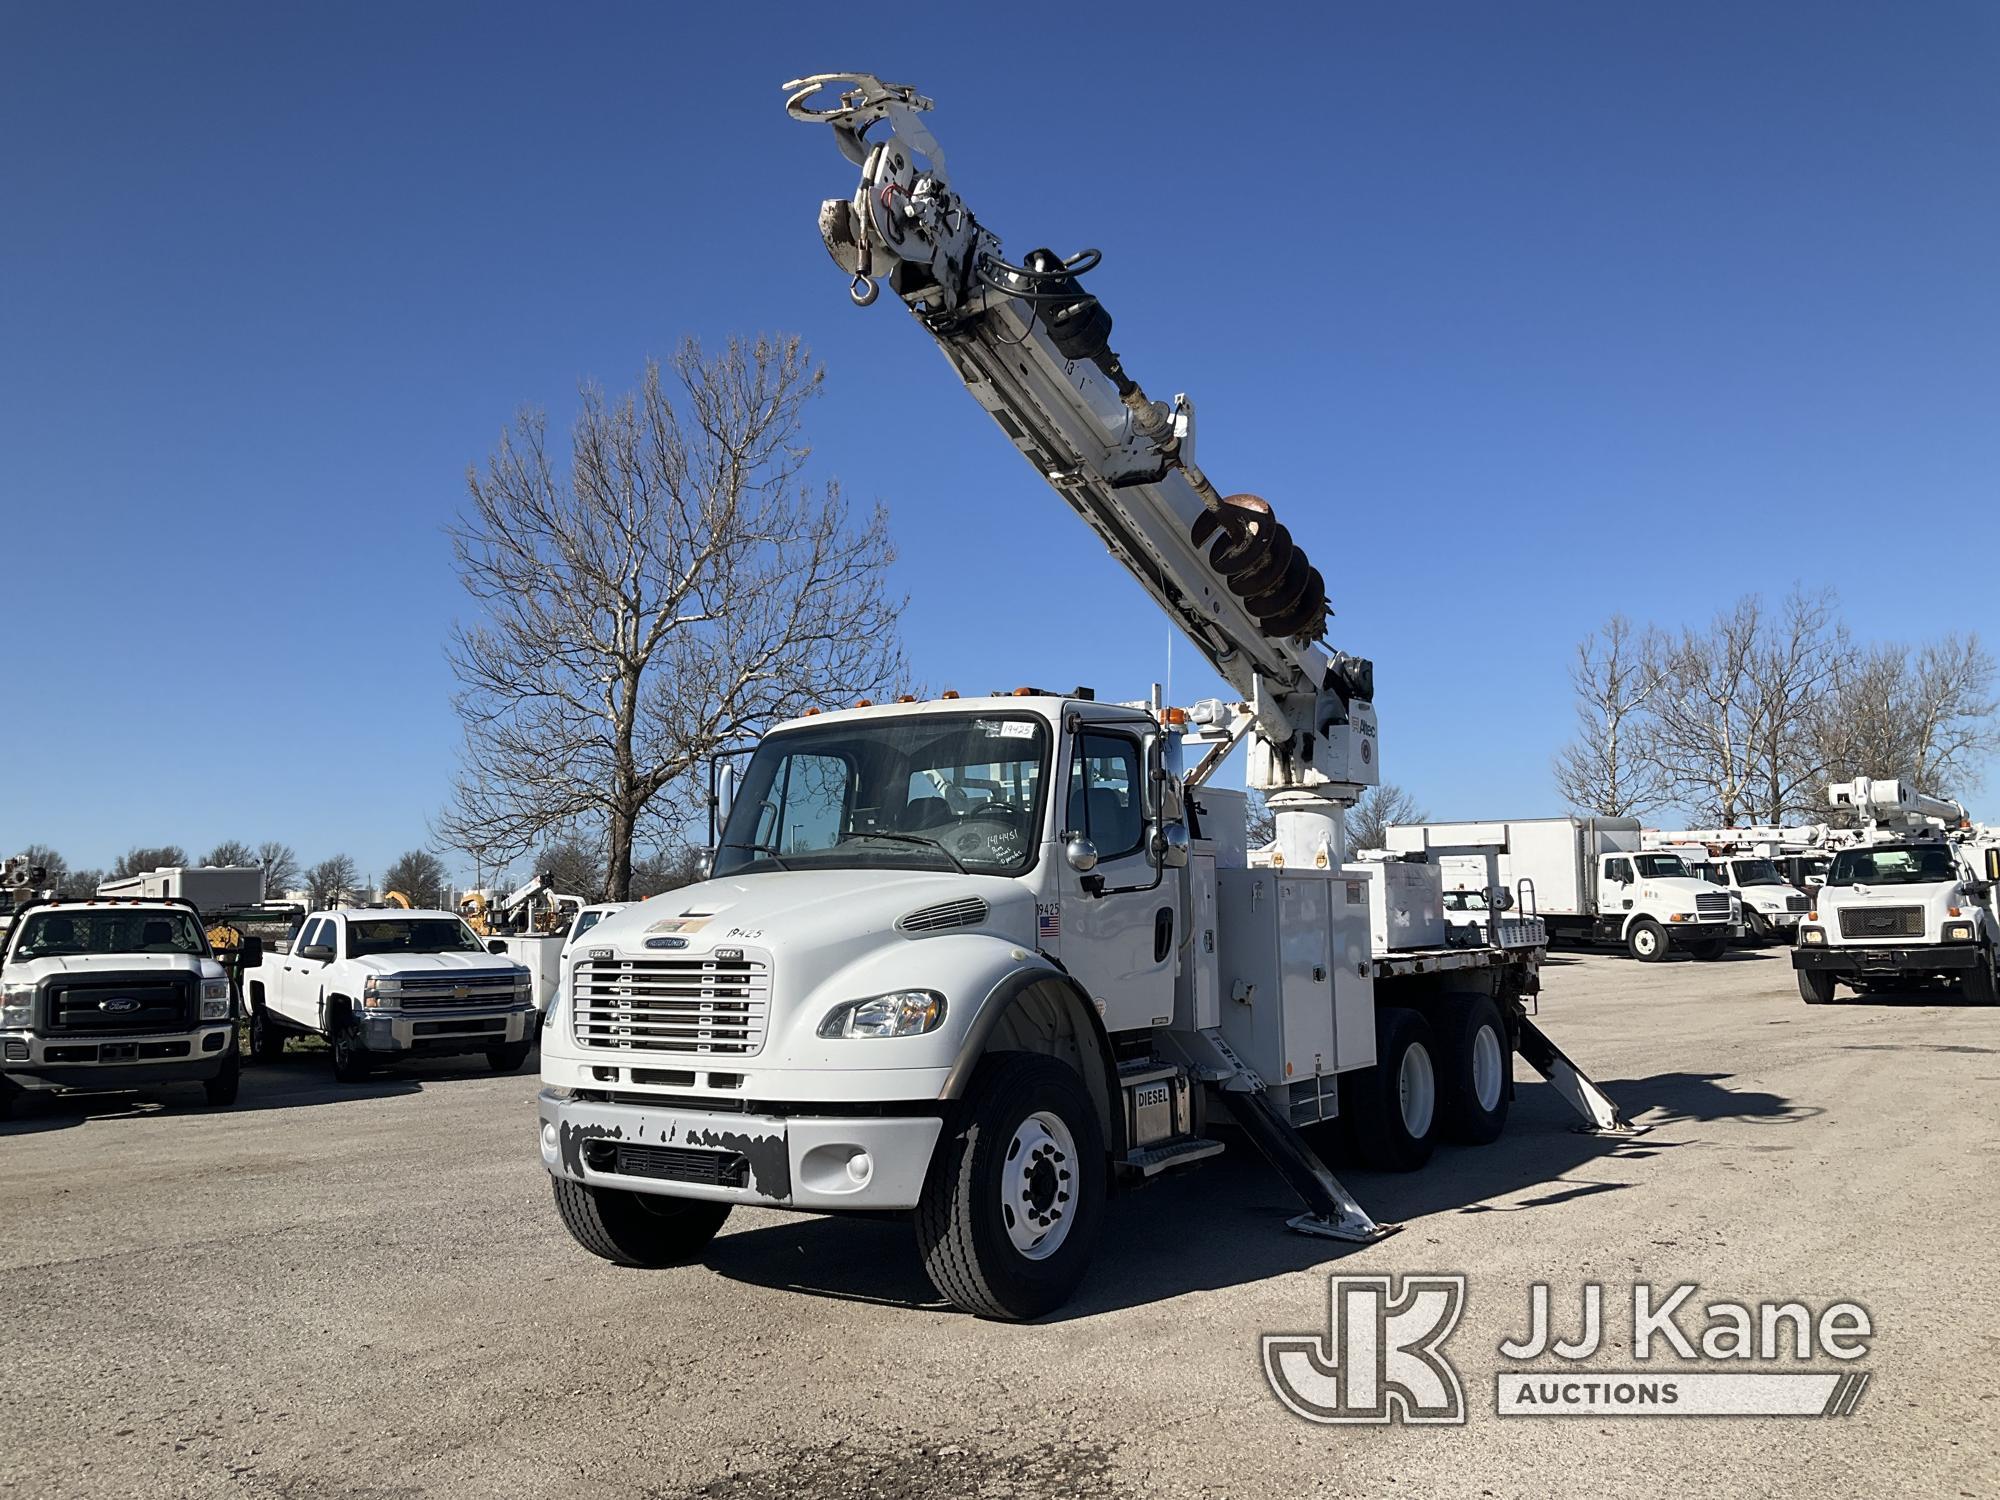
968 912
1711 903
1882 922
697 1005
449 991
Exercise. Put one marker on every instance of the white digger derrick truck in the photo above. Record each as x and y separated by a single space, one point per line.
981 959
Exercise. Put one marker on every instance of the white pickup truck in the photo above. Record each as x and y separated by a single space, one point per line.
383 984
112 994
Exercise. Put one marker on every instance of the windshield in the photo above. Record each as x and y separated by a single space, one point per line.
1916 864
1660 866
927 792
59 934
418 935
1756 872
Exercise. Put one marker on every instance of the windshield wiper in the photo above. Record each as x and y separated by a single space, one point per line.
895 836
764 849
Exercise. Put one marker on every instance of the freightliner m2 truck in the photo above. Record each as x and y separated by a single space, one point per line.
982 960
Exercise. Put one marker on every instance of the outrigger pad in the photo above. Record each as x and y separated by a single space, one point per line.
1327 1228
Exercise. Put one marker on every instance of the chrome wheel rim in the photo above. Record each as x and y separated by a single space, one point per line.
1416 1091
1487 1068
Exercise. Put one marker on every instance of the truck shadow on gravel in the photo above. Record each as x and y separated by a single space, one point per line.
1223 1225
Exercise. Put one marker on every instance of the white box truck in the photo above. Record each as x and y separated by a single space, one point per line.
1591 882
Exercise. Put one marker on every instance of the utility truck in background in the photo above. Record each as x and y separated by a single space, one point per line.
1744 864
105 994
1591 880
384 983
980 960
1909 904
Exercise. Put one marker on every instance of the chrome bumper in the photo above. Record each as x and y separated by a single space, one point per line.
468 1030
115 1062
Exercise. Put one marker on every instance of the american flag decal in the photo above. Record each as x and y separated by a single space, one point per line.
1048 920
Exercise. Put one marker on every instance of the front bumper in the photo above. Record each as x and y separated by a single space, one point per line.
1680 934
473 1029
119 1062
812 1162
1934 959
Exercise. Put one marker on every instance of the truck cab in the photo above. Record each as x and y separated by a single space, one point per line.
1652 902
1772 906
1900 912
379 984
113 994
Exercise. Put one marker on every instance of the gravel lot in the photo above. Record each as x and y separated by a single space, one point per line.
365 1292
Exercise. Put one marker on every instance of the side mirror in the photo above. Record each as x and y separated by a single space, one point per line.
1993 865
496 945
1169 844
1081 854
318 952
250 952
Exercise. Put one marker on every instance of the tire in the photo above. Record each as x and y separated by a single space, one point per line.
508 1059
1646 941
1978 986
221 1089
637 1229
1709 949
267 1042
1000 1233
1392 1108
351 1061
1478 1081
1816 986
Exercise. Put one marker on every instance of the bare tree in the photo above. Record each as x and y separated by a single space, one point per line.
678 588
55 869
1366 824
138 861
1706 715
1260 823
667 869
332 881
1607 768
230 852
1927 714
420 875
281 867
1800 655
79 882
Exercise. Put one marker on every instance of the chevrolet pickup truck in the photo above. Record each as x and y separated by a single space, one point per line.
381 984
113 994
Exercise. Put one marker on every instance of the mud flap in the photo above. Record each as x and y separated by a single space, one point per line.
1334 1214
1600 1115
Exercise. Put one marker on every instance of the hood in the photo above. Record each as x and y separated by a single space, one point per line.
1684 888
811 908
1834 897
114 963
435 963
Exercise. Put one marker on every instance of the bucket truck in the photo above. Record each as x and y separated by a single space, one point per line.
1910 903
982 960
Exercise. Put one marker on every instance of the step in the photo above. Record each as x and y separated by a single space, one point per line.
1150 1161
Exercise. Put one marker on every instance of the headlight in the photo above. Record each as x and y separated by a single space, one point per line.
17 1005
524 982
380 994
1958 932
215 999
903 1013
1812 936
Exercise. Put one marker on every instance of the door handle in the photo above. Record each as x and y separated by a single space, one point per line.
1163 934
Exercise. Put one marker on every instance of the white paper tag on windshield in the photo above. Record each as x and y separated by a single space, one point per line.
1011 729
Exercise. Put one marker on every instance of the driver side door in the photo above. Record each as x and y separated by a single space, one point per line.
1118 938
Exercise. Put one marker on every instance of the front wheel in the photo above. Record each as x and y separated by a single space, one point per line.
637 1229
267 1042
1647 941
351 1060
1015 1197
508 1058
221 1089
1816 986
1978 986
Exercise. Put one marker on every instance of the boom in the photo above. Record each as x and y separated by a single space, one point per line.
1034 349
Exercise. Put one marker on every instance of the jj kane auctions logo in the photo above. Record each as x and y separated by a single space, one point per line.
1381 1358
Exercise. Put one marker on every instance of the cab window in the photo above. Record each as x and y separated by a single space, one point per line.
1619 870
1104 801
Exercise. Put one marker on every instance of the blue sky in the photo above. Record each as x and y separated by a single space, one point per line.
1519 314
